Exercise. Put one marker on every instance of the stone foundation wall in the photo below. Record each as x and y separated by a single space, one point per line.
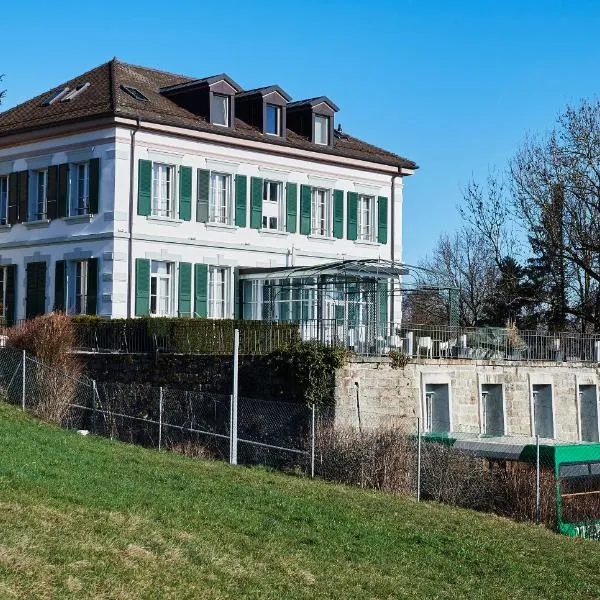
396 397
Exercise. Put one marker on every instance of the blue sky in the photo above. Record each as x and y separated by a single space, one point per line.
454 86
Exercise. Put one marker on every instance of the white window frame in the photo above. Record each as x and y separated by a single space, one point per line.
4 199
157 278
326 127
268 206
3 280
164 177
219 280
40 205
321 220
222 214
79 203
227 109
366 218
277 119
80 287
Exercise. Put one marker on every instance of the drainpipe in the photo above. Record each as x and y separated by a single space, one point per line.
393 238
130 224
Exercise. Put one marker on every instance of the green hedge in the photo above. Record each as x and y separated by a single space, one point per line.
185 335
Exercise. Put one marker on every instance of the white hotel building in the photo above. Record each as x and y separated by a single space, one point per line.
129 191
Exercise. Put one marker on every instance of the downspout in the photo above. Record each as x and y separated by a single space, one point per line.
393 239
130 224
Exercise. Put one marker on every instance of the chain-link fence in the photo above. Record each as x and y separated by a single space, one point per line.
207 425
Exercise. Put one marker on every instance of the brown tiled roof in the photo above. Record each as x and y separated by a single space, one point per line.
105 97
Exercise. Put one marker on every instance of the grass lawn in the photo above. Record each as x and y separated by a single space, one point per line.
84 517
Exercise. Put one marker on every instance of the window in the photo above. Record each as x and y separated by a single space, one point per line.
57 95
588 413
3 282
437 407
75 92
492 407
321 212
81 287
543 419
366 214
220 206
40 202
3 200
163 188
218 297
134 93
273 119
321 130
79 189
253 300
219 109
272 205
161 288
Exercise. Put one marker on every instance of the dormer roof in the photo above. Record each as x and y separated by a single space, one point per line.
105 98
313 103
266 91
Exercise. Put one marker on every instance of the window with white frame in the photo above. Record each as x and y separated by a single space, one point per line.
219 109
3 283
253 300
321 130
161 288
273 119
220 205
3 200
79 189
80 288
39 206
272 208
163 190
366 218
321 212
218 292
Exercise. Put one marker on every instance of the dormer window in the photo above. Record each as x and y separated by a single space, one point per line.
219 109
321 130
273 119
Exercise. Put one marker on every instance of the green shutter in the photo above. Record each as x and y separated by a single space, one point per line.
13 198
144 187
305 201
203 191
185 289
23 199
52 192
142 287
240 200
94 189
236 294
35 302
352 216
291 207
60 285
338 214
11 294
382 229
185 193
62 191
256 199
200 290
92 286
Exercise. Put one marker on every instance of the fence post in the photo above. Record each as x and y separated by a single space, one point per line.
94 406
537 480
160 417
312 442
233 442
418 459
23 382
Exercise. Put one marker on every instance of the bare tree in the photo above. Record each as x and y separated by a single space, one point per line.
556 190
2 92
463 261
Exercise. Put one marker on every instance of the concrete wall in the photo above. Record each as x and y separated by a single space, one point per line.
389 396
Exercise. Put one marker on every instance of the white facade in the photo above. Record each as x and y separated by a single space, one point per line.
117 235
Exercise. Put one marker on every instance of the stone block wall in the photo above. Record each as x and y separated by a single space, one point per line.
396 397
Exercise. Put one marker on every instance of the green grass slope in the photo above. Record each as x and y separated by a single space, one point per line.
83 517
